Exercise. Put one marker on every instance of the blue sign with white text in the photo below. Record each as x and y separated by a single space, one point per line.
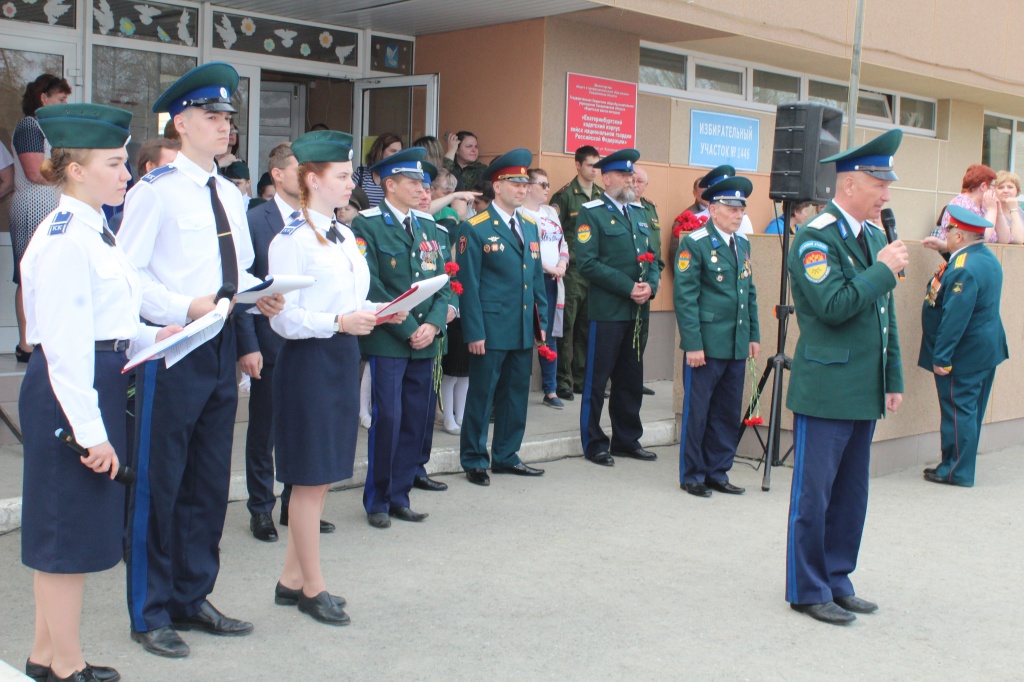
717 139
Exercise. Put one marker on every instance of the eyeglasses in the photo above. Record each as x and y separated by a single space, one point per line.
545 185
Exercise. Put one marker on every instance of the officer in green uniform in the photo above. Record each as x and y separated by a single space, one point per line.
846 373
572 346
716 309
615 254
962 342
503 308
640 182
402 246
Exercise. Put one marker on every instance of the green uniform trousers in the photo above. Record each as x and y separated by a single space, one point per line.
572 346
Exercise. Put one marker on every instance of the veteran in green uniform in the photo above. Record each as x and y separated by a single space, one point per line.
402 246
716 310
503 305
572 345
962 342
846 373
615 254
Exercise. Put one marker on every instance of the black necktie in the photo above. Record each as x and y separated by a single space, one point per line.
107 235
625 214
735 253
863 241
408 228
512 226
228 259
333 234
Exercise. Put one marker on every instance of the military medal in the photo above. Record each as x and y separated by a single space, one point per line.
714 256
501 246
535 250
487 248
393 262
934 286
493 239
720 278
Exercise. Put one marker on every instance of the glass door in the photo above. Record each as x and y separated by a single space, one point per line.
22 60
282 117
403 105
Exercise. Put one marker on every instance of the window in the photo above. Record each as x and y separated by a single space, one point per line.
775 88
1018 149
917 113
663 69
828 93
995 145
874 104
718 79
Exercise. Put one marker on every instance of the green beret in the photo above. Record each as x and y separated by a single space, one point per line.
323 146
85 126
236 170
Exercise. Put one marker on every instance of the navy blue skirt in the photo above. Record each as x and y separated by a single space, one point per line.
316 410
72 518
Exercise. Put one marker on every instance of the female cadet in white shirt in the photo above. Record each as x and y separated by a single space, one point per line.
316 377
82 300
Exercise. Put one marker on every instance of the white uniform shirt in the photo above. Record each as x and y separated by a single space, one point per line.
79 290
170 236
342 278
746 227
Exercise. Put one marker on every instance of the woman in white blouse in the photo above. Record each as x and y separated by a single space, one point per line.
316 379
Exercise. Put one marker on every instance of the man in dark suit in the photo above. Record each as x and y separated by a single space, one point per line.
962 342
257 349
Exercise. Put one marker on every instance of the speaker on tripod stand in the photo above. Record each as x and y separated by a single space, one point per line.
805 133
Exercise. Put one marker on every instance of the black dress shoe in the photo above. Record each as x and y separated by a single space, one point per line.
829 612
478 476
602 458
323 608
378 520
262 527
326 527
406 514
427 483
935 478
210 620
565 394
648 391
930 470
41 673
724 487
696 489
284 596
162 642
86 674
22 355
519 470
855 604
639 453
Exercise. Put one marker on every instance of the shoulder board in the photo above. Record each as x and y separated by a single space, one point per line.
477 219
653 205
564 187
370 212
742 238
422 214
288 230
441 227
823 220
699 234
957 263
594 203
637 204
156 173
60 223
528 219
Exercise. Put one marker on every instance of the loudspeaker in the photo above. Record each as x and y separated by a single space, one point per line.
805 133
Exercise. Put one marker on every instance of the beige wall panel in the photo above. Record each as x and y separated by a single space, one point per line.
1007 401
895 29
964 145
579 48
915 211
917 162
504 112
654 128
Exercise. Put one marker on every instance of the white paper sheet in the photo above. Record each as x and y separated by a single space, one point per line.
177 346
417 293
275 284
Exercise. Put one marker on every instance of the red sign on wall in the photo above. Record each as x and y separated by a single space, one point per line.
599 112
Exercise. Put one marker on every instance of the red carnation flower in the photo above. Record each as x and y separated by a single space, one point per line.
457 288
451 268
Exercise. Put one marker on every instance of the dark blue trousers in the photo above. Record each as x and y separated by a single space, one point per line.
827 504
401 398
962 401
259 445
428 432
712 410
610 353
184 417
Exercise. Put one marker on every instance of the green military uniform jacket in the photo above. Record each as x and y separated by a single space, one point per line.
606 254
714 296
396 262
960 322
501 282
568 201
469 177
655 225
848 354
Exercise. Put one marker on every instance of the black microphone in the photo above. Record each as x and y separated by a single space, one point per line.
889 224
125 476
226 291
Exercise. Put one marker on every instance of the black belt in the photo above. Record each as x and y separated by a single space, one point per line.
112 345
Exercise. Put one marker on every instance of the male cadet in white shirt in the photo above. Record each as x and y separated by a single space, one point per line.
184 229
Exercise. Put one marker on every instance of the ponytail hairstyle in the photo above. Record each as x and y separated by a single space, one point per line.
317 168
55 169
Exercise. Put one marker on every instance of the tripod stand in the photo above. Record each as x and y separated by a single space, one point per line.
778 364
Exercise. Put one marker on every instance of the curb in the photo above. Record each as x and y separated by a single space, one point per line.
442 461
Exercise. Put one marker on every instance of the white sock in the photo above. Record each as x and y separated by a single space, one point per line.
365 389
448 400
459 402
